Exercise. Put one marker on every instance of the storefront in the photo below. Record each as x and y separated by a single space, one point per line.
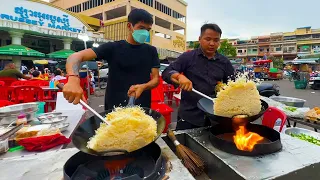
43 27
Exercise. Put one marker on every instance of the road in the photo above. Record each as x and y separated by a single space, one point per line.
286 89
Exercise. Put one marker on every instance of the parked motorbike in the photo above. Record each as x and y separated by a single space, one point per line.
268 89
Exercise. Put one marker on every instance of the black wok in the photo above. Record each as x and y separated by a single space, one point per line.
86 130
206 106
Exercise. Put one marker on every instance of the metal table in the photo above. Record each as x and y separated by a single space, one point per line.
74 118
304 122
297 160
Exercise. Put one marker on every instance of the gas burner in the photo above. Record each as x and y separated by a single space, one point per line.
221 137
146 164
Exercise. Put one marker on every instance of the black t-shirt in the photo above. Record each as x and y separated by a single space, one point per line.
128 65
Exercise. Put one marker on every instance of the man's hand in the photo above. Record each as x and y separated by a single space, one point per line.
72 91
184 83
136 90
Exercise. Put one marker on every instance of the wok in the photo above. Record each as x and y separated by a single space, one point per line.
206 106
87 129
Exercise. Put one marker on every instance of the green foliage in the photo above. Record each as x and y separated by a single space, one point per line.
227 49
196 45
277 62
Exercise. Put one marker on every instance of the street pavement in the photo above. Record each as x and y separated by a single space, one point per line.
286 89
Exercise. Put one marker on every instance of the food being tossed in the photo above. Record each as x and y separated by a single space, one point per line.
130 129
238 97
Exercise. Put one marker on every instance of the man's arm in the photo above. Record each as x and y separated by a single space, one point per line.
173 73
72 91
20 75
74 61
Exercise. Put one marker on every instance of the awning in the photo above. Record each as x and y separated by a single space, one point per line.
62 54
19 50
305 61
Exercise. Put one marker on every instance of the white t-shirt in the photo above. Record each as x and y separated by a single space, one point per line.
57 78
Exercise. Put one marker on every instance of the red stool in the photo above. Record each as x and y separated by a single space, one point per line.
271 115
165 110
2 83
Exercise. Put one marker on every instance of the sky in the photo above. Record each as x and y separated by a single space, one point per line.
245 18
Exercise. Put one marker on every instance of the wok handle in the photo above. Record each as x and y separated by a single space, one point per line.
60 86
131 101
173 137
201 94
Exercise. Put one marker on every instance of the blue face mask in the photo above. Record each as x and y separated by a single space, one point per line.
140 35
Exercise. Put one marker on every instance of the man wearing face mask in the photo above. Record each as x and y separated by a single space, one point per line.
131 62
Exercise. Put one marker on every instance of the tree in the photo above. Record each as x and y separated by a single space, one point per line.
227 49
196 45
277 62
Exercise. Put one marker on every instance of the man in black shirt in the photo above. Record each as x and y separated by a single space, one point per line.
131 65
202 69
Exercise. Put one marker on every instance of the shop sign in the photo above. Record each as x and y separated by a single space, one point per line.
40 15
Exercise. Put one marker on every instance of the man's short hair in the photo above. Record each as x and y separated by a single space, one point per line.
36 74
140 15
211 26
57 72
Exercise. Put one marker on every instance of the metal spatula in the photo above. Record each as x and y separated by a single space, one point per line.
60 86
203 95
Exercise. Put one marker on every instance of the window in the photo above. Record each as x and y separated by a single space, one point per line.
278 49
254 50
163 8
147 2
240 51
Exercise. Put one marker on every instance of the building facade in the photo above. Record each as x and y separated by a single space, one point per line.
288 45
43 27
168 33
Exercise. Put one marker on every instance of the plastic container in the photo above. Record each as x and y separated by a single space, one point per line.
51 84
40 108
300 84
22 119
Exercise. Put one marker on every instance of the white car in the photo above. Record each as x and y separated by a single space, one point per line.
104 71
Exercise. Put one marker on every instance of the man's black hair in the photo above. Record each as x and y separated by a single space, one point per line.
36 74
57 73
25 72
140 15
211 26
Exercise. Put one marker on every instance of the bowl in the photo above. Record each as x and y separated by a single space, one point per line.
52 119
61 126
296 130
289 101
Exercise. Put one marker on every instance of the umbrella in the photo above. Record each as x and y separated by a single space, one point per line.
44 62
62 54
19 50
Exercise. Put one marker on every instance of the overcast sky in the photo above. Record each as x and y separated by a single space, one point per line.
246 18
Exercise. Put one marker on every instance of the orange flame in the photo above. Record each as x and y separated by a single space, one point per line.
244 140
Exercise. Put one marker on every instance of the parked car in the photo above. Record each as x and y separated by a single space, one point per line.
103 76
